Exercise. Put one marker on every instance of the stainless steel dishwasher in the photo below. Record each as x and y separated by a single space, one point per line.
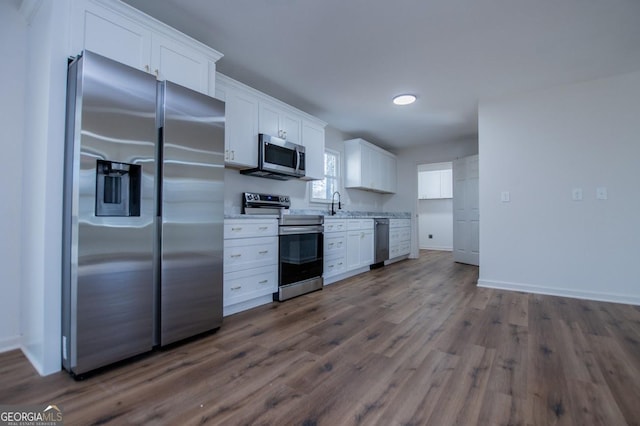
381 234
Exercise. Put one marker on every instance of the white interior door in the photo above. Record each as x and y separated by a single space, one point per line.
466 211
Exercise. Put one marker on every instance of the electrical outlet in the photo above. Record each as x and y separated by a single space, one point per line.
430 236
601 193
505 196
576 194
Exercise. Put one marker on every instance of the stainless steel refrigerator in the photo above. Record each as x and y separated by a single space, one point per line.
143 213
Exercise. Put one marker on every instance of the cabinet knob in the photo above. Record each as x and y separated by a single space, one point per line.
236 255
147 69
157 73
263 228
263 252
263 282
237 229
236 288
233 154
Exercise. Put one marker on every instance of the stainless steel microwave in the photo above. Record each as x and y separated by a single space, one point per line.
278 159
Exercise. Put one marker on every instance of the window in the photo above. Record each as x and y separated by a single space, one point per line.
322 190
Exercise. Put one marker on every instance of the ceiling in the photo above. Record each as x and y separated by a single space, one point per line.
343 60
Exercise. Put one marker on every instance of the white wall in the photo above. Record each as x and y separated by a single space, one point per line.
405 199
352 199
541 145
435 218
42 185
13 32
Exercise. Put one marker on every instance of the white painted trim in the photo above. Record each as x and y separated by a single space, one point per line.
223 80
438 248
139 17
563 292
345 275
35 362
398 259
247 304
9 344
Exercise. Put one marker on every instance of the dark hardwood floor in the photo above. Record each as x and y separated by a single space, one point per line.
414 343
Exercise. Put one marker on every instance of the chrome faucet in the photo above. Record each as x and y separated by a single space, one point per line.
333 210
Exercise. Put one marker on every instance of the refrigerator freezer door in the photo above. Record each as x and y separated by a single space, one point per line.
108 258
192 211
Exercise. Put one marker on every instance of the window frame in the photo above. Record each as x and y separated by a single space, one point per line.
337 177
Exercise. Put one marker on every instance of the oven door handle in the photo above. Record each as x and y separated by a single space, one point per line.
293 230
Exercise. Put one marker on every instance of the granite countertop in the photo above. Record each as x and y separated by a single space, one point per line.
341 214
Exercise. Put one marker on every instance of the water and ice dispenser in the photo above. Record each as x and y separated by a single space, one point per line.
117 189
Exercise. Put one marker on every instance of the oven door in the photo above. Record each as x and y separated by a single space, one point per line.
301 249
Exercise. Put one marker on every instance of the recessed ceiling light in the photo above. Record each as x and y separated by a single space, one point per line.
404 99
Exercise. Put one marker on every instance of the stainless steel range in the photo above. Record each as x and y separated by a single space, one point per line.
301 244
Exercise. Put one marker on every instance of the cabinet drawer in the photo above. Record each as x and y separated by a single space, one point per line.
334 265
405 234
355 224
334 225
248 284
334 244
250 253
246 228
399 223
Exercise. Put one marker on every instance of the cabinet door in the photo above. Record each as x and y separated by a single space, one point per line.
446 184
292 127
389 167
241 129
432 182
313 141
367 169
111 35
269 119
178 63
353 250
275 121
367 255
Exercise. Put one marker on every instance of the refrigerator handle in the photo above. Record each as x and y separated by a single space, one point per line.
157 270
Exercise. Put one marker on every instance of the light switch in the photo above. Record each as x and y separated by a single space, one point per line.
576 194
505 196
601 193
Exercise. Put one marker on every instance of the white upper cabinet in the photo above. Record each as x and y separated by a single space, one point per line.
241 123
249 112
180 64
369 167
277 121
122 33
110 34
435 184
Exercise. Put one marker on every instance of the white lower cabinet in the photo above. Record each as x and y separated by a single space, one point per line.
360 243
244 285
335 247
399 237
250 263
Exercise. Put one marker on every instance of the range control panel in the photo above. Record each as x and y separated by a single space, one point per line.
252 199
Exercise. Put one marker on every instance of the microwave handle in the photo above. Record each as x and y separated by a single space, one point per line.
297 160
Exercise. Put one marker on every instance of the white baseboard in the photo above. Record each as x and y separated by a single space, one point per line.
563 292
247 304
438 248
9 344
343 276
